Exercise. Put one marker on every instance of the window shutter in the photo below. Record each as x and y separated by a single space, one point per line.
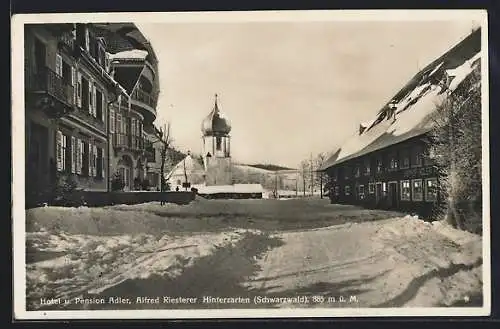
103 108
79 89
59 65
59 150
89 160
94 100
79 152
64 152
73 83
73 154
90 84
111 120
102 164
94 160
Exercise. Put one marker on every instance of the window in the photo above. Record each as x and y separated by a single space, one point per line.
380 165
371 188
66 73
100 163
405 160
405 190
356 172
178 182
337 190
346 172
85 158
384 188
347 190
417 157
393 163
85 94
417 193
361 192
99 107
218 143
431 189
367 167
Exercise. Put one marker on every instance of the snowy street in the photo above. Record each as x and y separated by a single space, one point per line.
246 254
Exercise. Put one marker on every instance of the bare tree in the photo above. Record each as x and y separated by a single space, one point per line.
304 168
320 175
164 137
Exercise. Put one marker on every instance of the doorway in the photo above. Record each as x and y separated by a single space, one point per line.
378 193
393 195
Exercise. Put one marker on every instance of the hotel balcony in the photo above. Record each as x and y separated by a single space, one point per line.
144 100
127 142
50 92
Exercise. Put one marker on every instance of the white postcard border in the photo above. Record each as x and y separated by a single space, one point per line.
18 154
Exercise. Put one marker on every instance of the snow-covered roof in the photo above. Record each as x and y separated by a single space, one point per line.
130 54
414 104
192 165
236 188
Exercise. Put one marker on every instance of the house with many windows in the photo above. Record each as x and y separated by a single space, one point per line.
387 163
85 107
67 92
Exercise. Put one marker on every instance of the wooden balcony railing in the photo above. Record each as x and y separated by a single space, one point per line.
126 141
49 82
144 97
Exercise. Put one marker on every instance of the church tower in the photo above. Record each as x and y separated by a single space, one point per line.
215 130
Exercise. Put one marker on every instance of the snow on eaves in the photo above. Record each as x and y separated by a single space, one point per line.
129 54
412 115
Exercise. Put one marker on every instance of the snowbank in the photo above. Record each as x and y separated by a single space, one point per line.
91 264
389 263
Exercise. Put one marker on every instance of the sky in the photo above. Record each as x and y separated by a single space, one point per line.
289 89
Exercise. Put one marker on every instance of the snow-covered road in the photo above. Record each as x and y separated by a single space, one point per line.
225 250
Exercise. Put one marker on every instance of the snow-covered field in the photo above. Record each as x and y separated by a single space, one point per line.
246 248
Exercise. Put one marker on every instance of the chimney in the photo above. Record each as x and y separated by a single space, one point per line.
362 128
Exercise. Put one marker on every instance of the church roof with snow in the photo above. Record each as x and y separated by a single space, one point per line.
409 113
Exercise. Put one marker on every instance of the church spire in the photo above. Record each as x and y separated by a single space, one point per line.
216 106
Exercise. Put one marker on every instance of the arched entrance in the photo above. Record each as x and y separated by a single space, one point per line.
125 168
139 174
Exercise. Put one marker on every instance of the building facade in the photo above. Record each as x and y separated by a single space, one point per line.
388 163
81 123
135 157
67 92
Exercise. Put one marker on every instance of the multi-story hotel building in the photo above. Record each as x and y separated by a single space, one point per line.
86 109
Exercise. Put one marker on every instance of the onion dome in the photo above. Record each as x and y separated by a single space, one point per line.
215 124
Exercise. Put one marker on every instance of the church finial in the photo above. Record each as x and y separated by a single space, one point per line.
216 98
